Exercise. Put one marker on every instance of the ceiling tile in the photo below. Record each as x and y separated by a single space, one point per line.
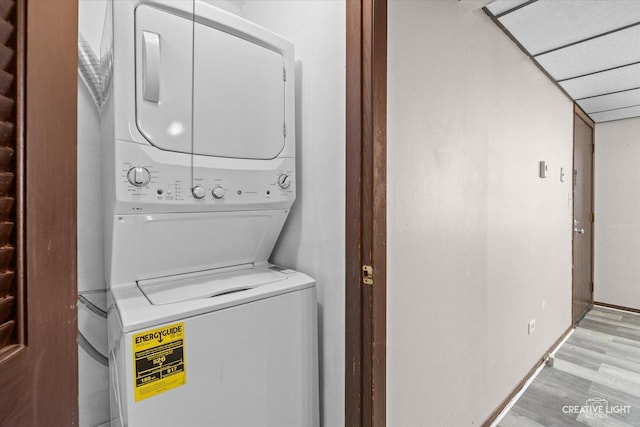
549 24
499 6
623 113
590 48
612 50
628 98
602 83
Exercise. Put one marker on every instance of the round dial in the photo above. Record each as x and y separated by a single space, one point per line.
198 192
218 192
139 176
284 181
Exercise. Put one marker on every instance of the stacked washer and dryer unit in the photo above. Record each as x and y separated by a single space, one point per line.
199 132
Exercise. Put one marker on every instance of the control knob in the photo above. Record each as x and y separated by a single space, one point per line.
218 192
139 176
198 191
284 181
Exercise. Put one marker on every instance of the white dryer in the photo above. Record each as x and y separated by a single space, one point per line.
198 128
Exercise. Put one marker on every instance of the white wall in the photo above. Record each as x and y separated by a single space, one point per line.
313 238
93 397
617 212
478 244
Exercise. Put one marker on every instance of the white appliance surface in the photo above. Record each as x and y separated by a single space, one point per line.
242 113
199 134
166 123
250 357
168 290
159 245
210 130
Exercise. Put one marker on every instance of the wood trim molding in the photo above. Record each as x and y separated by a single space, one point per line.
579 114
584 116
353 219
365 382
617 307
496 413
377 185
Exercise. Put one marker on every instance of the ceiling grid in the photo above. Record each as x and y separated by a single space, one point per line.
589 48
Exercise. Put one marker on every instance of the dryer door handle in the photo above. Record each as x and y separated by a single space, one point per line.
151 66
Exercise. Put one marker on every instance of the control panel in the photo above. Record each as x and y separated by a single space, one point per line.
149 180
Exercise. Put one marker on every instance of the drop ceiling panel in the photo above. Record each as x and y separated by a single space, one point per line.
624 113
589 48
613 50
596 104
499 6
546 25
605 82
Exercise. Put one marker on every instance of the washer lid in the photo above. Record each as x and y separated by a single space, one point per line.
137 312
193 286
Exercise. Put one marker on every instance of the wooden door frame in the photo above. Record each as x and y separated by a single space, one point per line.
579 114
40 374
365 317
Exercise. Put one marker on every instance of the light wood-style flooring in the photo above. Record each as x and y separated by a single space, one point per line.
594 380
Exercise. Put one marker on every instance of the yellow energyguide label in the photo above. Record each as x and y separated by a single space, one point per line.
158 360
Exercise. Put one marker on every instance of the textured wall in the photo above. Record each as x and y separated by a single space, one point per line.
478 244
617 209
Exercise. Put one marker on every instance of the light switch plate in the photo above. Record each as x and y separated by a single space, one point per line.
544 169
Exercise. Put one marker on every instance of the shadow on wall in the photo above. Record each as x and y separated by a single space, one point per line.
93 379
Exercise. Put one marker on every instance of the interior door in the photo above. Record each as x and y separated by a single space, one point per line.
39 370
582 215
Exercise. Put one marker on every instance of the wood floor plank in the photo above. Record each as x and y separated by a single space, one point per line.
615 372
579 358
573 353
567 387
606 339
600 360
619 398
618 331
611 322
626 342
613 349
602 422
514 419
606 314
626 315
596 376
544 411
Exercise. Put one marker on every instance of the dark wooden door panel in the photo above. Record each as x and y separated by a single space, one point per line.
38 372
582 216
365 376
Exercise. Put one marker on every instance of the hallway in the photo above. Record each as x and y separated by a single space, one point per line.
595 378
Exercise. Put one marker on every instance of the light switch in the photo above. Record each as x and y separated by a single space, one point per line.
544 169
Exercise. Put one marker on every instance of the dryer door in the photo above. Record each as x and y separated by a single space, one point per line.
238 96
164 46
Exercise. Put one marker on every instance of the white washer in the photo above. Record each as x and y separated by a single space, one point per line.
198 127
249 356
